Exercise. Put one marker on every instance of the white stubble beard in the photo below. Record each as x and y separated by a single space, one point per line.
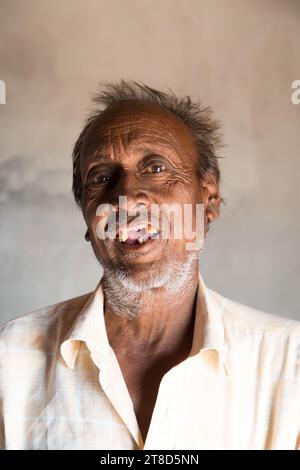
125 295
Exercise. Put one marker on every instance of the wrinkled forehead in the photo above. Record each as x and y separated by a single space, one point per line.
132 124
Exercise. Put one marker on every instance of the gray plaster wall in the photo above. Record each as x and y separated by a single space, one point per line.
238 56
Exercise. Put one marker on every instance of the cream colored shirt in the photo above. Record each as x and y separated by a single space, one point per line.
61 386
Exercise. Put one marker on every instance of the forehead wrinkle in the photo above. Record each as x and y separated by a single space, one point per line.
134 138
135 147
137 121
145 135
138 131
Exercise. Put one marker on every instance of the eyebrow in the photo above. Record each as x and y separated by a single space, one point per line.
99 159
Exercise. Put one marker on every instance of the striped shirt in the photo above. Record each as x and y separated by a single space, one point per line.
61 386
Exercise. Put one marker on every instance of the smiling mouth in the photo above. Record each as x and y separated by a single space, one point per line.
137 236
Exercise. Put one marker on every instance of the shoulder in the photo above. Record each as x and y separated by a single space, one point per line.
244 318
41 330
255 337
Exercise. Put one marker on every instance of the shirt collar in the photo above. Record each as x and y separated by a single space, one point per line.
209 338
208 341
89 328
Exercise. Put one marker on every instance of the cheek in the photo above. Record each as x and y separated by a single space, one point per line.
190 217
89 213
92 220
91 197
182 192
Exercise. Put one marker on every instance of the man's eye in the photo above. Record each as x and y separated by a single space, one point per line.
99 179
155 168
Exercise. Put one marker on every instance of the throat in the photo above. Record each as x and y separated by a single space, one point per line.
163 334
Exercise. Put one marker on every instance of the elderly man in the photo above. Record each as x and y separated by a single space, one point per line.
152 358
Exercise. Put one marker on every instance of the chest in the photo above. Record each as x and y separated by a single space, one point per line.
142 382
189 412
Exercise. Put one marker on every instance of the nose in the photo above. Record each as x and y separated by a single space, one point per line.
137 198
135 190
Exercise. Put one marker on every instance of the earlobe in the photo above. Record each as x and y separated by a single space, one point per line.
87 235
213 208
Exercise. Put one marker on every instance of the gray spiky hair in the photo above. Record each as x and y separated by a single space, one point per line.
195 116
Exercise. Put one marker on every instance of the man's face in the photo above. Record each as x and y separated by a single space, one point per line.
147 154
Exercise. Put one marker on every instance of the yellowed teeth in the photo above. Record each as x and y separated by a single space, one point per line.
123 235
149 230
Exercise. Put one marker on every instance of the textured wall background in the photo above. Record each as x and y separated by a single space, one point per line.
238 56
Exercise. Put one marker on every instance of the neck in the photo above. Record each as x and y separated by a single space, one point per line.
152 321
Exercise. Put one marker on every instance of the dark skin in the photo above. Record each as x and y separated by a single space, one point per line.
148 154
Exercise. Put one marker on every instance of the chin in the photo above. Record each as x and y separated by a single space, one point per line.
140 277
145 279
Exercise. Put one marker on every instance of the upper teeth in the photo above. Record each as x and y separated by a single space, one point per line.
149 229
123 235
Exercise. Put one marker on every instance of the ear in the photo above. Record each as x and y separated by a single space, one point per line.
87 236
210 197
